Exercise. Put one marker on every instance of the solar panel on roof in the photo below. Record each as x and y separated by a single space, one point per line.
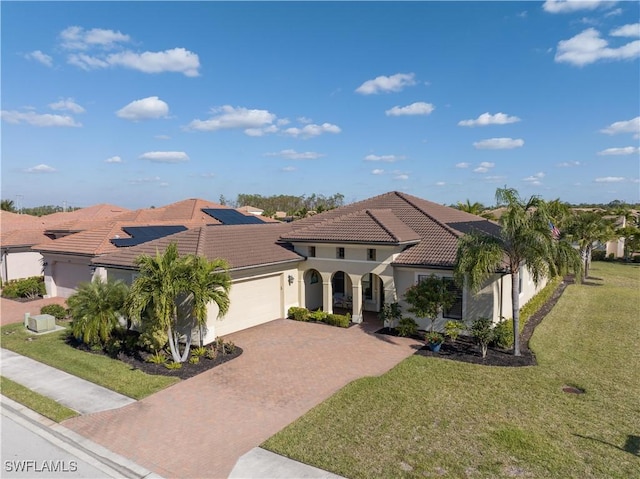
142 234
228 216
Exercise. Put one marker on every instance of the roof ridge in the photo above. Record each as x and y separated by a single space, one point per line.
201 241
447 228
369 212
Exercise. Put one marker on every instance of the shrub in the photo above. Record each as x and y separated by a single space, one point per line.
535 303
390 314
194 360
318 315
433 338
503 334
229 347
407 327
598 255
54 310
636 258
212 353
113 346
340 320
452 329
173 365
151 338
157 358
198 352
24 288
299 314
611 257
482 331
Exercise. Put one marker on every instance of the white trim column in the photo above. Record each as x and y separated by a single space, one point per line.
356 294
327 296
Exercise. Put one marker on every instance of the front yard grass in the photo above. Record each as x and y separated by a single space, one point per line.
39 403
432 417
51 349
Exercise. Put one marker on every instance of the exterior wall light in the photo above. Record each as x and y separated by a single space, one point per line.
290 279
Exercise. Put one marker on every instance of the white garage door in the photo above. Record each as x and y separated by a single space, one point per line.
253 302
67 276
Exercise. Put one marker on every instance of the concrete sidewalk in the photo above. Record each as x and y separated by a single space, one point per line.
75 393
260 464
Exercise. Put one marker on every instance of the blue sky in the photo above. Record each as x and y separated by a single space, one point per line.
148 103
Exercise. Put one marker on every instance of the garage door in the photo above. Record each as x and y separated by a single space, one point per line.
67 276
253 302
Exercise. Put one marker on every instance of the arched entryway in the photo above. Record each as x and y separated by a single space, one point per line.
372 296
342 292
312 290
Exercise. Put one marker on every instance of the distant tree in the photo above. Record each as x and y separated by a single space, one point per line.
525 239
8 205
473 208
586 228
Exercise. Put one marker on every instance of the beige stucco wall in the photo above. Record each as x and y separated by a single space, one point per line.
19 264
63 273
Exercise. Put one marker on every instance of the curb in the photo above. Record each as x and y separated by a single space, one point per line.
112 464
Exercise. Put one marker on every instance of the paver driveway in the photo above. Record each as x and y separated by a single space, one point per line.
201 426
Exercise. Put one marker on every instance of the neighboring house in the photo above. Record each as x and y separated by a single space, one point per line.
353 258
251 209
68 260
21 232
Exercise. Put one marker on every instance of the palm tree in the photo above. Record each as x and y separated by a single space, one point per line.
96 309
208 281
169 284
525 240
473 208
8 205
586 228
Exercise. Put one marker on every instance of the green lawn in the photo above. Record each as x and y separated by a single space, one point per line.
39 403
51 349
437 418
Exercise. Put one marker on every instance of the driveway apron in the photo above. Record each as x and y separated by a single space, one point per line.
199 427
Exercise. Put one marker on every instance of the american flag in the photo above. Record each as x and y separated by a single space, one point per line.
555 232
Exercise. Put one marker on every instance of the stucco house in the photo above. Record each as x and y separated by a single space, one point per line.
354 258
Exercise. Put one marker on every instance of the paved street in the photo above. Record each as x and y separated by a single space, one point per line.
200 427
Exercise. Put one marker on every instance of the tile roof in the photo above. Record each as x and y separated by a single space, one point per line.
241 245
362 226
438 226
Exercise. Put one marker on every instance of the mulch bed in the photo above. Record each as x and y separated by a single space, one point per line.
187 370
464 348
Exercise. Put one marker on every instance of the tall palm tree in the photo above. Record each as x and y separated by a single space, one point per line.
525 240
169 284
586 228
473 208
208 281
8 205
96 308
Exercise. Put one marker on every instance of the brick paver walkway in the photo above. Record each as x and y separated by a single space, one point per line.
200 427
13 311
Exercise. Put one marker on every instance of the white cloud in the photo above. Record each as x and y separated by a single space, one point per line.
77 38
498 144
535 179
617 11
463 165
227 118
627 150
36 119
113 159
628 126
177 60
294 155
401 176
377 171
38 56
311 130
566 6
384 84
144 109
630 30
568 164
440 183
261 131
162 137
489 119
417 108
487 164
384 158
289 168
138 181
609 179
494 179
481 169
67 104
165 156
304 120
587 47
40 169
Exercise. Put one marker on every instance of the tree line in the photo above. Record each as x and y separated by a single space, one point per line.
292 205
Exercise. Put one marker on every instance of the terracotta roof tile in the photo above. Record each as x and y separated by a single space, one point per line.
241 245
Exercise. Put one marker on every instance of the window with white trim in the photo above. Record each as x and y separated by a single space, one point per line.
340 253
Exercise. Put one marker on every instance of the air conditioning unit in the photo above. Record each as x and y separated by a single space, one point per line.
41 323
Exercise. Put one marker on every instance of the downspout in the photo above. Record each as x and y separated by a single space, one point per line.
5 266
